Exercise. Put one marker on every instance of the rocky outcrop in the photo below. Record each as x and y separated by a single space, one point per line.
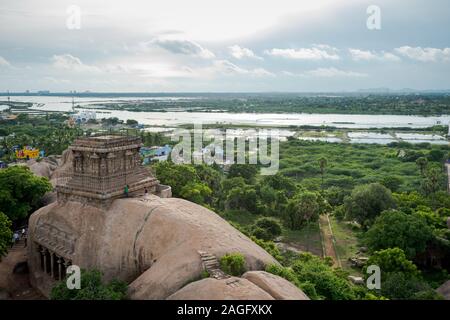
279 288
226 289
50 167
444 290
151 243
254 285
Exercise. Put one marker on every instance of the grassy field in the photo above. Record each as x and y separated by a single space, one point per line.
307 239
346 242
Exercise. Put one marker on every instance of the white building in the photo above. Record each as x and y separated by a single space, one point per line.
84 116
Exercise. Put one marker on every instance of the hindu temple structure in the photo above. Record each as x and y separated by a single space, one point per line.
99 168
102 167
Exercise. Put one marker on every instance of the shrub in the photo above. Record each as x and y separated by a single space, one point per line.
261 233
269 246
92 288
233 264
267 228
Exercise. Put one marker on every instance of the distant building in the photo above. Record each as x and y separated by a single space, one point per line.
84 116
155 153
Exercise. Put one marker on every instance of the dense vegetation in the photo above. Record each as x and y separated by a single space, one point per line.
92 288
400 104
395 195
5 234
21 192
47 133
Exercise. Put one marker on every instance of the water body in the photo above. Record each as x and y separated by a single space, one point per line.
173 118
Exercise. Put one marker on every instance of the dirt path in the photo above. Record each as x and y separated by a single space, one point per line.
16 285
328 239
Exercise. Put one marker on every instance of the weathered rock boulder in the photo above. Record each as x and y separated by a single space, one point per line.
356 280
40 168
279 288
151 243
444 290
225 289
254 285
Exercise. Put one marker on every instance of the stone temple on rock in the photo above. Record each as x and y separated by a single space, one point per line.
102 167
159 245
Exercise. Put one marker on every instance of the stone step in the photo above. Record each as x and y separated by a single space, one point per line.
209 258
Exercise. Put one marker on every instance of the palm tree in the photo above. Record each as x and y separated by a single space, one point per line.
422 163
323 164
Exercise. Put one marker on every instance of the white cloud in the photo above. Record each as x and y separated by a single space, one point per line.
161 71
183 46
239 52
424 54
365 55
72 63
327 73
226 67
55 81
316 52
4 62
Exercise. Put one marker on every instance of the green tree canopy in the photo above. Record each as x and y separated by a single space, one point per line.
393 183
244 197
408 202
397 229
422 163
246 171
393 260
317 278
196 192
280 182
403 286
303 208
21 191
366 202
5 234
176 176
266 228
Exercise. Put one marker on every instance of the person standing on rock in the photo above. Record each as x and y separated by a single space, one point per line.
145 192
15 238
125 190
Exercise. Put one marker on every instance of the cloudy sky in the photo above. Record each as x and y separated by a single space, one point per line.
233 45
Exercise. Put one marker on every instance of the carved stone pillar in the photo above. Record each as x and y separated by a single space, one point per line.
52 263
59 261
44 258
41 251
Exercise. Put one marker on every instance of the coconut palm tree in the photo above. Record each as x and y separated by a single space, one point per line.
323 164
